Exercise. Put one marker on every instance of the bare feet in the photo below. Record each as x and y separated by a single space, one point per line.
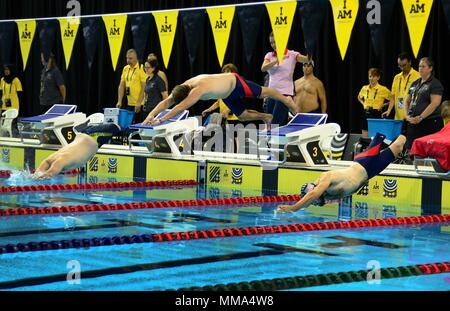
289 102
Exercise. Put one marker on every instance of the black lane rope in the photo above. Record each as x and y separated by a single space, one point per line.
325 279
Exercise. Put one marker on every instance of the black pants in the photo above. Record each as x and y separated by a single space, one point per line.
370 114
424 128
138 117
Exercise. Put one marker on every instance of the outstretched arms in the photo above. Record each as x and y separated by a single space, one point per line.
322 185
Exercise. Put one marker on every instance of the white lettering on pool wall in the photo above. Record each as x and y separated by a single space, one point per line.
374 275
74 275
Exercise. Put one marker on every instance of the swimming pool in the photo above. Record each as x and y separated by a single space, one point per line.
111 249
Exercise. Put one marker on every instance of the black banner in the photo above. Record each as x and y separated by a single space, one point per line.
446 9
47 35
7 31
91 28
140 28
250 20
378 25
194 26
312 18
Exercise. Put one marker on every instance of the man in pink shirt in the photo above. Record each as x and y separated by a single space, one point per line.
281 79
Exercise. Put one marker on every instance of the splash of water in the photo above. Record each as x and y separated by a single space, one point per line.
20 176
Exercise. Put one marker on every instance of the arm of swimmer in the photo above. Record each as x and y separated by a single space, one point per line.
322 185
164 104
193 97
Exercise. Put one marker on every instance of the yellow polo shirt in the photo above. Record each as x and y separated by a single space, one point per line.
222 107
10 91
374 97
400 87
133 78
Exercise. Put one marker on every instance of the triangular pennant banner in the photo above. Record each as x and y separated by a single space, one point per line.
7 39
193 24
91 27
281 16
250 20
221 19
344 16
166 23
69 29
416 14
47 36
26 29
115 30
311 18
140 29
379 23
446 8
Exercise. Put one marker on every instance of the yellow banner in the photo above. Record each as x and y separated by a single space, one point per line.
115 29
221 19
166 23
111 166
281 16
69 30
12 158
160 169
344 15
403 193
234 177
27 30
416 13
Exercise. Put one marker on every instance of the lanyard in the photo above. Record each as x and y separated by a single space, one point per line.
374 96
416 91
131 74
400 83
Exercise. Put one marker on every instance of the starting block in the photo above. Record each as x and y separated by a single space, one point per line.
7 122
301 140
161 138
55 127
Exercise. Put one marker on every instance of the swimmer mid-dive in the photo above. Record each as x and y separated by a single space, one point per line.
340 183
89 139
230 87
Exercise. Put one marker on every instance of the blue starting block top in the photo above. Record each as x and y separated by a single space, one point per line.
299 122
54 111
181 116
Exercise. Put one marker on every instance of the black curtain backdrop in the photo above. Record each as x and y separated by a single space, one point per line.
95 88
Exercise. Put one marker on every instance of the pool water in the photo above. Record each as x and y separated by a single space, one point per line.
206 262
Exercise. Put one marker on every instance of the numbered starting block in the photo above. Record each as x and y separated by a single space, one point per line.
161 138
55 127
301 140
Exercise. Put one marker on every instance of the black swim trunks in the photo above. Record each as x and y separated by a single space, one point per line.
243 89
374 161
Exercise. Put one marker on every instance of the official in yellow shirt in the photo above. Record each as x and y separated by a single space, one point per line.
10 89
372 97
401 85
132 84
